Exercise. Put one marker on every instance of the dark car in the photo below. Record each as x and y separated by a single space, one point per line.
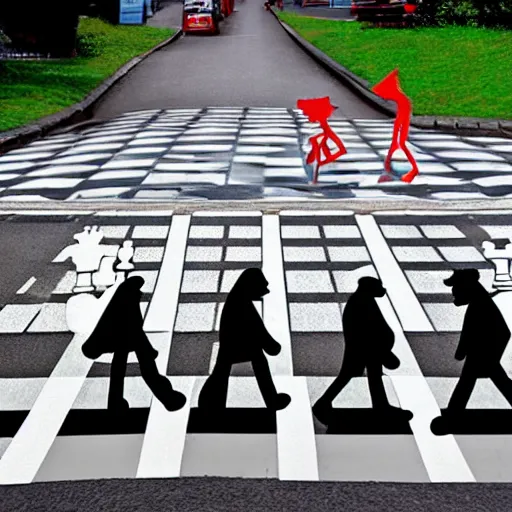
384 11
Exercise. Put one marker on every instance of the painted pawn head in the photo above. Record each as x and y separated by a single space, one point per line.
499 252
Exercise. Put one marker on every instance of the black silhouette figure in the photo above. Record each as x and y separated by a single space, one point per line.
483 340
120 331
243 338
368 344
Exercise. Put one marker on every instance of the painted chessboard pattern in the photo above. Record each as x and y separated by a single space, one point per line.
53 423
245 153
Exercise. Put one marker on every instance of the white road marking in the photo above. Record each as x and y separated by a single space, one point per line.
227 213
161 313
275 307
213 358
296 443
318 213
29 447
441 455
164 440
410 312
134 213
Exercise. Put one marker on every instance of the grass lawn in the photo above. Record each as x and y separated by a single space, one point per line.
449 71
34 89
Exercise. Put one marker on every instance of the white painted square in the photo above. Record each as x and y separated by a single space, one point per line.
428 281
347 280
229 278
67 283
304 254
461 254
445 317
315 317
200 281
149 276
115 231
245 232
498 231
401 232
442 231
243 254
202 253
308 281
15 318
195 317
148 254
206 232
342 232
416 254
348 254
150 232
51 318
300 232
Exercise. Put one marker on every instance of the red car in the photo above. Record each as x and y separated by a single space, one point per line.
201 16
389 11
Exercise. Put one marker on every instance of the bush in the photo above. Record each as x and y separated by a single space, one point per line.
481 13
90 44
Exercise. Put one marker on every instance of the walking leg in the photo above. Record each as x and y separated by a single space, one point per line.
214 393
323 406
116 387
273 399
502 381
159 385
463 390
376 385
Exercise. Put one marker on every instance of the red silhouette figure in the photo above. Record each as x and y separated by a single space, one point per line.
318 110
389 89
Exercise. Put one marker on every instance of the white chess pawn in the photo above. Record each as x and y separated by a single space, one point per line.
501 259
125 254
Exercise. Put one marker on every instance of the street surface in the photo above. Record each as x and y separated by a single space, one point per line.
253 62
247 153
53 420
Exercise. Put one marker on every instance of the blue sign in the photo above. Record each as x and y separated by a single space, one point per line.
131 12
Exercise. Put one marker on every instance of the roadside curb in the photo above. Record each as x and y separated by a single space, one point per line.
77 113
466 126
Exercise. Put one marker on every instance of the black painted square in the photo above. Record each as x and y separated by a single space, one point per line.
232 421
91 422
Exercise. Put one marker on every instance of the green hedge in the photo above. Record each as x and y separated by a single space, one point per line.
473 13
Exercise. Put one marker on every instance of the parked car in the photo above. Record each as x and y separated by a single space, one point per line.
384 11
201 16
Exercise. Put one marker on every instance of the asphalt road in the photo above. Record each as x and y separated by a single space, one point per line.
425 246
222 495
253 62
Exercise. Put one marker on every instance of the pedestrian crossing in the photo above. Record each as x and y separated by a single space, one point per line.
53 419
246 153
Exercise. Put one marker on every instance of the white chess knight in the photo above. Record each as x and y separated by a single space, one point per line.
94 262
83 311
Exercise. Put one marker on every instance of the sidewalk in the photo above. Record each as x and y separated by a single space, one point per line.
170 16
